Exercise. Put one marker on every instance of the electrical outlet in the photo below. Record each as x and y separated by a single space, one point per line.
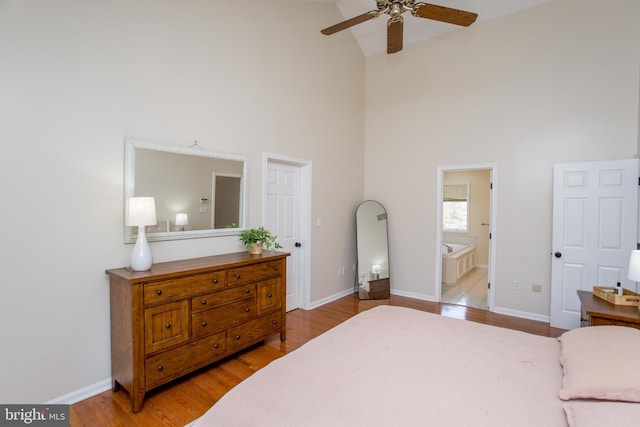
536 287
516 285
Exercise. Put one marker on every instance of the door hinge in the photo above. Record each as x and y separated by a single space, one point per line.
489 285
489 236
491 184
639 180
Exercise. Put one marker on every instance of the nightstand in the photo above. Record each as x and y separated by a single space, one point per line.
596 311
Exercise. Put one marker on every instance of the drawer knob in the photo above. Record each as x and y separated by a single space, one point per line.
215 280
168 325
237 337
237 276
160 368
204 323
216 346
275 322
270 295
159 292
246 309
275 268
204 301
246 291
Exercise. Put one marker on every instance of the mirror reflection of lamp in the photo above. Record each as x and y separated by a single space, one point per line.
182 219
634 268
375 269
140 212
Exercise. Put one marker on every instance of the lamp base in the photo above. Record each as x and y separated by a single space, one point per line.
141 259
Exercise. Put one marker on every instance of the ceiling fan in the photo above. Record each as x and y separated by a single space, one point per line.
395 9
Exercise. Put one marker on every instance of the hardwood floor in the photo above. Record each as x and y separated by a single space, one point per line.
184 400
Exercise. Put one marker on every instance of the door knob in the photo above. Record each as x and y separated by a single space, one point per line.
558 254
298 244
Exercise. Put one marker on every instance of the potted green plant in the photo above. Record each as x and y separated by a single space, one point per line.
258 238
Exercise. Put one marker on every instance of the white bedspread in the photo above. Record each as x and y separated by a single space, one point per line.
393 366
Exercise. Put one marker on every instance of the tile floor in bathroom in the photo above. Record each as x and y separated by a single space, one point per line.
470 290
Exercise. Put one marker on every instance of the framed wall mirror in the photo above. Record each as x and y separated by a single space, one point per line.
198 193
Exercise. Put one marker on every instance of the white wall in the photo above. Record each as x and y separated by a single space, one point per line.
77 77
555 83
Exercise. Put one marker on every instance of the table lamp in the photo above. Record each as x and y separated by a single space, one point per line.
140 212
182 219
376 270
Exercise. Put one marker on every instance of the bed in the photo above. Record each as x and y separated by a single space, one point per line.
395 366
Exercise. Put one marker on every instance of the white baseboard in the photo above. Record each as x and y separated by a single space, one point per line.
522 314
431 298
82 394
413 295
327 300
339 295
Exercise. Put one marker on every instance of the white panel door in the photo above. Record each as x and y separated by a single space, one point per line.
283 219
595 225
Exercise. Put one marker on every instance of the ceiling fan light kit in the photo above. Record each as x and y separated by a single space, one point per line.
395 9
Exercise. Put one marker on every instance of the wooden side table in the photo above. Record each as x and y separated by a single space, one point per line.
596 311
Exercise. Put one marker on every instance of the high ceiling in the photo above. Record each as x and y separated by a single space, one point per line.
372 35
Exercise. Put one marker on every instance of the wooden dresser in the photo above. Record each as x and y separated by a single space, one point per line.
183 315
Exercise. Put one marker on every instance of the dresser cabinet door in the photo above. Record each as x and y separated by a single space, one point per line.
269 298
166 325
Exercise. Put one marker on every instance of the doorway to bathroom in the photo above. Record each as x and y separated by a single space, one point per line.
466 231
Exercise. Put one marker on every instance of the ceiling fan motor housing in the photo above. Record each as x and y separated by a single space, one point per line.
394 7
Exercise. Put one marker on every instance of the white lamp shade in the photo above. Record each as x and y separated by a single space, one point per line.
375 268
634 266
140 211
182 219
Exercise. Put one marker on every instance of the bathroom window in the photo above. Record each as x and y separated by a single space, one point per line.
455 208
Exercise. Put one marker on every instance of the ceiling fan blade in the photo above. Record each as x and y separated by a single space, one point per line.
444 14
350 22
394 34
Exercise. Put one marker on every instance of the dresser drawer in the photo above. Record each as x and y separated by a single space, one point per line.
167 290
255 272
207 301
269 298
170 364
166 325
221 317
240 336
600 321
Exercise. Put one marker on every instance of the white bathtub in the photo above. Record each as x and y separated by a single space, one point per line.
456 249
458 262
